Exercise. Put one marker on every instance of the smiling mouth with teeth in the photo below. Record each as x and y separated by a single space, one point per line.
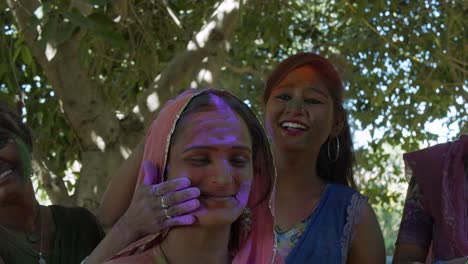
288 125
5 173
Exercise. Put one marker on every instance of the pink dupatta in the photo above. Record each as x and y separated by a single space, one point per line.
440 173
260 245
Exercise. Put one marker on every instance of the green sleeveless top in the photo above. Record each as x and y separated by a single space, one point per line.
77 233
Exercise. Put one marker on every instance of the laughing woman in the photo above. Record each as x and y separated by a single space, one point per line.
214 140
320 217
30 232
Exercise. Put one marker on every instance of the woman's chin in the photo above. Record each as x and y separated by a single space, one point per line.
216 217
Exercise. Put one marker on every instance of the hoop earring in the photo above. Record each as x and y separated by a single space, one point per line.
337 150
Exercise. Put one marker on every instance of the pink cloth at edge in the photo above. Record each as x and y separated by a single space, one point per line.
440 173
260 246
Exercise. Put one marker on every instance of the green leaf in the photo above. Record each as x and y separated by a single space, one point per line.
4 97
32 23
26 55
83 55
69 185
18 42
98 2
64 32
105 28
11 86
3 69
16 54
78 19
101 22
113 37
50 30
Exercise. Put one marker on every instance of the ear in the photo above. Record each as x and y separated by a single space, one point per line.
339 123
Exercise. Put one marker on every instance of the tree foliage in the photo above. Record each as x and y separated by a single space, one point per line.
89 75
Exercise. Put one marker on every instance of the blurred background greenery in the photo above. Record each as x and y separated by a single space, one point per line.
89 75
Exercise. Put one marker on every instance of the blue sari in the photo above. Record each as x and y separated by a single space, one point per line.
331 227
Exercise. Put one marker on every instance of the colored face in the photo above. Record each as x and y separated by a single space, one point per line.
15 167
214 150
299 111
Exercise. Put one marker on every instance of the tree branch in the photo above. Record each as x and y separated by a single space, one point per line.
53 184
90 116
205 52
172 15
245 70
91 113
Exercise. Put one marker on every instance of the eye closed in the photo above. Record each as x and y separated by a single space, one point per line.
240 161
198 160
312 101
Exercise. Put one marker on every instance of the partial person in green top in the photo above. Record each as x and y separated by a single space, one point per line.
30 232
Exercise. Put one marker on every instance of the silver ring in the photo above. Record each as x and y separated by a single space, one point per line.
155 191
164 206
165 213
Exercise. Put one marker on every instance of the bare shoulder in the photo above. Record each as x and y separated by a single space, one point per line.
368 245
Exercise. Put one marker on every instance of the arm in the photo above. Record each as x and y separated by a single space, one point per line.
146 215
407 253
414 236
368 246
116 239
118 194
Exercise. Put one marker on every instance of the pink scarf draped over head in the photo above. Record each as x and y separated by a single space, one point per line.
440 173
260 245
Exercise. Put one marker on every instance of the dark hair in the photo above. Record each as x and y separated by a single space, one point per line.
11 122
341 169
261 154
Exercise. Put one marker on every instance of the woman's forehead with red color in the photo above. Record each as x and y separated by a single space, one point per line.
304 76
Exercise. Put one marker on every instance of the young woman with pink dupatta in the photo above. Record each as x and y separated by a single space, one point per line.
214 140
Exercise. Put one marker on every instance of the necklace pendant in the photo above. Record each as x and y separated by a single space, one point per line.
41 259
